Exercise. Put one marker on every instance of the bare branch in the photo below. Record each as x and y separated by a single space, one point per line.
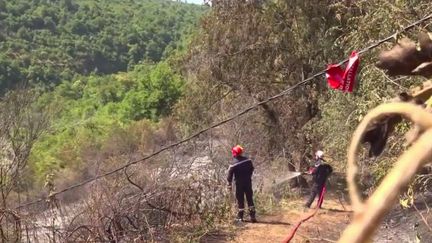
130 180
423 218
368 215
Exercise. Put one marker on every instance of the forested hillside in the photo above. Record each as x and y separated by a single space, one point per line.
90 109
46 42
102 64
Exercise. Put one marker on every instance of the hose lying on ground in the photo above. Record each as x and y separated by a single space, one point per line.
306 217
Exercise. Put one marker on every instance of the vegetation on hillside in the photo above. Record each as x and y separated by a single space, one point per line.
46 42
95 83
93 107
105 64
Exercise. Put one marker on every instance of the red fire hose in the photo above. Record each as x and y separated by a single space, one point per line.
306 217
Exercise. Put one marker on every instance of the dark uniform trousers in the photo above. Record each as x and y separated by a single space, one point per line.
316 191
244 188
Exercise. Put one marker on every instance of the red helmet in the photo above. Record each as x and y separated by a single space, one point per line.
236 150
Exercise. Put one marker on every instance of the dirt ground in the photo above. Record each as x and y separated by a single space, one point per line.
325 226
408 225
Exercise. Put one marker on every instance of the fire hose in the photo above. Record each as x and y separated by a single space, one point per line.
306 217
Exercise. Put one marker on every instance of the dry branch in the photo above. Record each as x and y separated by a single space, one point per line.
368 215
8 217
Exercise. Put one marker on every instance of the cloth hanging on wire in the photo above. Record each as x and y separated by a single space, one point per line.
340 79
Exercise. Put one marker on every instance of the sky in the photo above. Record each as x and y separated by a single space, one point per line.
194 1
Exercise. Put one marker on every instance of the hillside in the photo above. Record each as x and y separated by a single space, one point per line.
101 64
45 42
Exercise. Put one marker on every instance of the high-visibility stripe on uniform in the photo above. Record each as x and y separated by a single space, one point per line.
241 162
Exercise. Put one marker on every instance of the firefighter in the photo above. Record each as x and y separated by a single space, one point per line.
242 169
320 173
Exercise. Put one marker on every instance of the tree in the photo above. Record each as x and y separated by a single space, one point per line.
256 49
21 124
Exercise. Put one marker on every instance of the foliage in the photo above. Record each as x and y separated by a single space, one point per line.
94 107
102 63
46 42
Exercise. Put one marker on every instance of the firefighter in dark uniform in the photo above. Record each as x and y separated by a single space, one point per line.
320 172
242 170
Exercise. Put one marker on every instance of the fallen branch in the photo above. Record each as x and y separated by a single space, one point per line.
423 218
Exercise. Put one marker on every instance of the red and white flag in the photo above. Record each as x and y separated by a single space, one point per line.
343 80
